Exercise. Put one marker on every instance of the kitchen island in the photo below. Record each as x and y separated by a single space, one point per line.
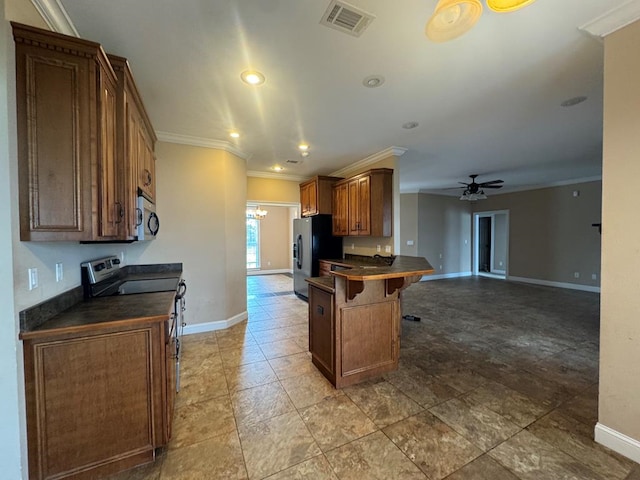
355 314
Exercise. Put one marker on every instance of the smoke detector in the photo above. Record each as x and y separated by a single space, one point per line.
346 18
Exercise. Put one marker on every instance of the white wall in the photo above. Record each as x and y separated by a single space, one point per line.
13 456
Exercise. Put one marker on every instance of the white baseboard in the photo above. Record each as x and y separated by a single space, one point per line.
217 325
426 278
269 272
618 442
499 272
548 283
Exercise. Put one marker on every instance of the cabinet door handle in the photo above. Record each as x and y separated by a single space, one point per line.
119 212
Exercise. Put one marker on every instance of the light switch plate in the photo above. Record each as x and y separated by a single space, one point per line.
59 272
33 278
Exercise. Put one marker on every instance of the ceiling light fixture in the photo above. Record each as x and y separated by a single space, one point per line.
234 135
304 154
472 197
277 168
304 147
256 212
453 18
252 77
373 81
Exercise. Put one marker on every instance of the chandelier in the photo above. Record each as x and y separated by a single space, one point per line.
453 18
472 197
256 213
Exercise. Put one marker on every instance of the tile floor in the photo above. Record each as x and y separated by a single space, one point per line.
498 381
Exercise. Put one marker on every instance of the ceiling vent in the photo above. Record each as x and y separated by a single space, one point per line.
346 18
294 162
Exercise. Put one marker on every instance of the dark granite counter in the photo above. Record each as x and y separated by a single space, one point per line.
323 283
372 268
69 312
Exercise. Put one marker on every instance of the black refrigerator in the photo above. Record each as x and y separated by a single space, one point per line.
312 241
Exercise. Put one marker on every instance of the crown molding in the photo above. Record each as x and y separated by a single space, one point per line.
54 15
202 142
276 176
613 20
371 159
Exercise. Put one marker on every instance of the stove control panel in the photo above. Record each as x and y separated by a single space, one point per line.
101 269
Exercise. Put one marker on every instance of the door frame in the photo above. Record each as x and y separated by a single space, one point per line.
476 241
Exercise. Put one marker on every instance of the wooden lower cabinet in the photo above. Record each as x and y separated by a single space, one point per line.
97 403
354 339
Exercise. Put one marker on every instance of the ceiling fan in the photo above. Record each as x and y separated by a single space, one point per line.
475 191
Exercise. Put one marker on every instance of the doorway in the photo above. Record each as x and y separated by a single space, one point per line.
491 243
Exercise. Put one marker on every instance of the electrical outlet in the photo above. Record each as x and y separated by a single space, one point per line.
122 257
33 278
576 274
387 248
500 263
378 249
440 255
59 272
440 267
268 264
466 242
410 242
353 246
594 276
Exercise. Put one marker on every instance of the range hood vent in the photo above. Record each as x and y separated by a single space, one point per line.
346 18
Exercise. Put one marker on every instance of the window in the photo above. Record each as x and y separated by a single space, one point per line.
253 243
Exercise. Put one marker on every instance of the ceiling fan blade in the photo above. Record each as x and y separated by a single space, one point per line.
491 182
453 188
491 186
467 184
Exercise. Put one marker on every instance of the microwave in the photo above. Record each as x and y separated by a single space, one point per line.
148 223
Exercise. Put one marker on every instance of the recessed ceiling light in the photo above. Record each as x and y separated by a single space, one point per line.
277 168
573 101
304 147
234 135
410 125
304 154
252 77
373 81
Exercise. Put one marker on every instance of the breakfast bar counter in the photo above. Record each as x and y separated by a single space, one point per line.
355 314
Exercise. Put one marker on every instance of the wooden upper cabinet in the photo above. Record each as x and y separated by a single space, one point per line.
62 124
135 145
315 195
76 179
363 205
340 210
110 204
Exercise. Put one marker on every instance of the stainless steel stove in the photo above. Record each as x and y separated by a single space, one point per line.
104 277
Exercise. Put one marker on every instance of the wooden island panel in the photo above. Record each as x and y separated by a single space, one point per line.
354 318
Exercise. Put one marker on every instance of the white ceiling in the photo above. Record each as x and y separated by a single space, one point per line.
487 102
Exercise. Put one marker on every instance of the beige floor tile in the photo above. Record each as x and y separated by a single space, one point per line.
530 458
576 439
286 320
235 340
336 421
382 402
195 422
422 388
218 457
233 357
483 468
514 406
260 403
372 457
316 468
250 375
276 444
309 389
432 445
292 365
280 348
481 426
207 384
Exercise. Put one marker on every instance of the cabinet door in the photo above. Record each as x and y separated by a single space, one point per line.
340 209
146 163
322 330
364 206
131 166
308 199
110 207
90 402
354 205
55 129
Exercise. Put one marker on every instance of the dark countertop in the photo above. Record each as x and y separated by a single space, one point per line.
323 283
69 312
368 268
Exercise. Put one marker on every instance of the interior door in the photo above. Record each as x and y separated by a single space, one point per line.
484 244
